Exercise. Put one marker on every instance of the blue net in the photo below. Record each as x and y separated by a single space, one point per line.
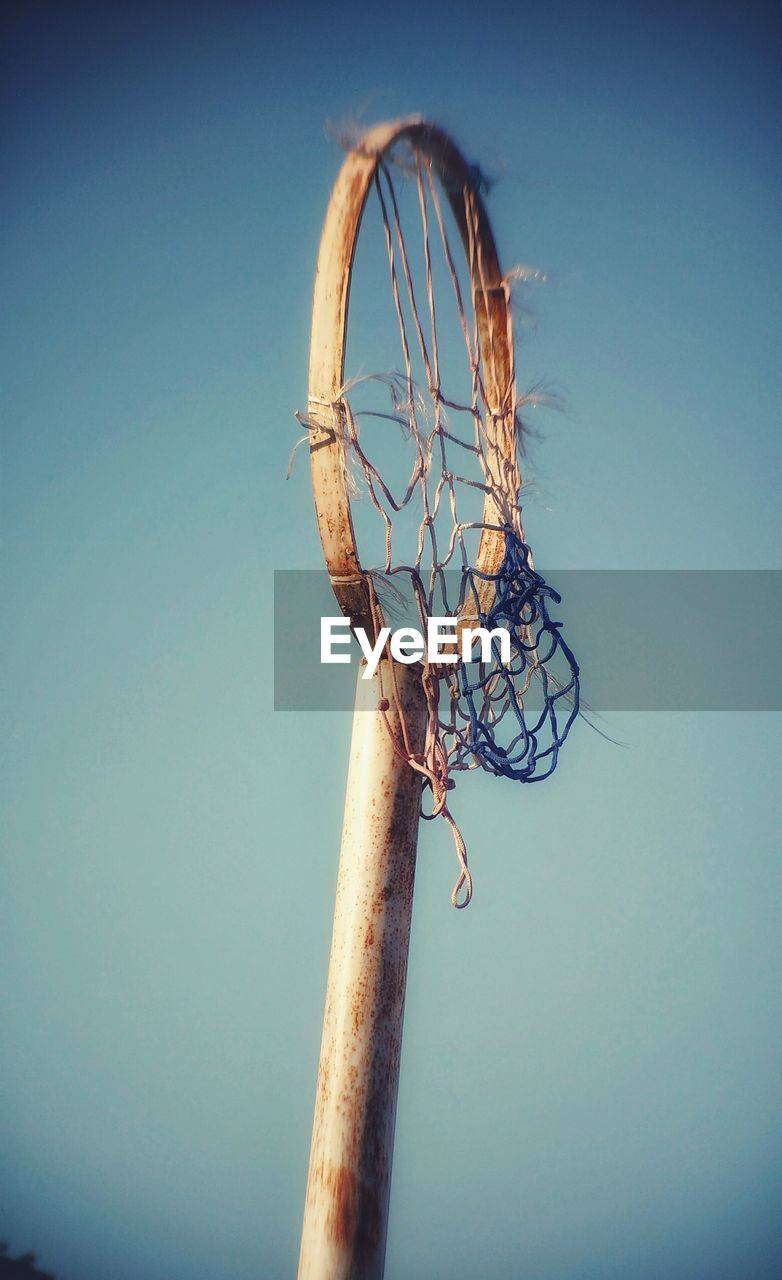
501 733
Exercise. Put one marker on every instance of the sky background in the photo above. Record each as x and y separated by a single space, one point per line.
591 1071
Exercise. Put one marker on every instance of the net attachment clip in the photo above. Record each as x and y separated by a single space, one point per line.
320 432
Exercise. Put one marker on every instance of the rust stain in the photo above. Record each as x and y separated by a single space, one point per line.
355 1220
342 1217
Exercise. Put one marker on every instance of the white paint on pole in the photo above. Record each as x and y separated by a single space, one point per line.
346 1208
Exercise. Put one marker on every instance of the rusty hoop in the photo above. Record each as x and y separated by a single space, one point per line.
325 410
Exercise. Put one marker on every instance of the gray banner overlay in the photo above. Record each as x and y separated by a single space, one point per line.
645 639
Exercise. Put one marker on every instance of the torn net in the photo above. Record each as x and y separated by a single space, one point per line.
452 538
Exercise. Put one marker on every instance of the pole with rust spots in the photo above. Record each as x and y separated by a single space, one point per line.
346 1207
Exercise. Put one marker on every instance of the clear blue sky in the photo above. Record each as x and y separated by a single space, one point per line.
590 1082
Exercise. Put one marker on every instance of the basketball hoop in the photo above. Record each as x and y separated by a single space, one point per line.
466 557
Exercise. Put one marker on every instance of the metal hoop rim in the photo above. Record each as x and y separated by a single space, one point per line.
329 333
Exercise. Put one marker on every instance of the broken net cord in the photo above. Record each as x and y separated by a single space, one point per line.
515 595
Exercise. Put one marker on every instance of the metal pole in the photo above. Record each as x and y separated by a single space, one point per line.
346 1208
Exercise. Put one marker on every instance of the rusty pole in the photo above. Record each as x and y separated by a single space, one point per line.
346 1207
